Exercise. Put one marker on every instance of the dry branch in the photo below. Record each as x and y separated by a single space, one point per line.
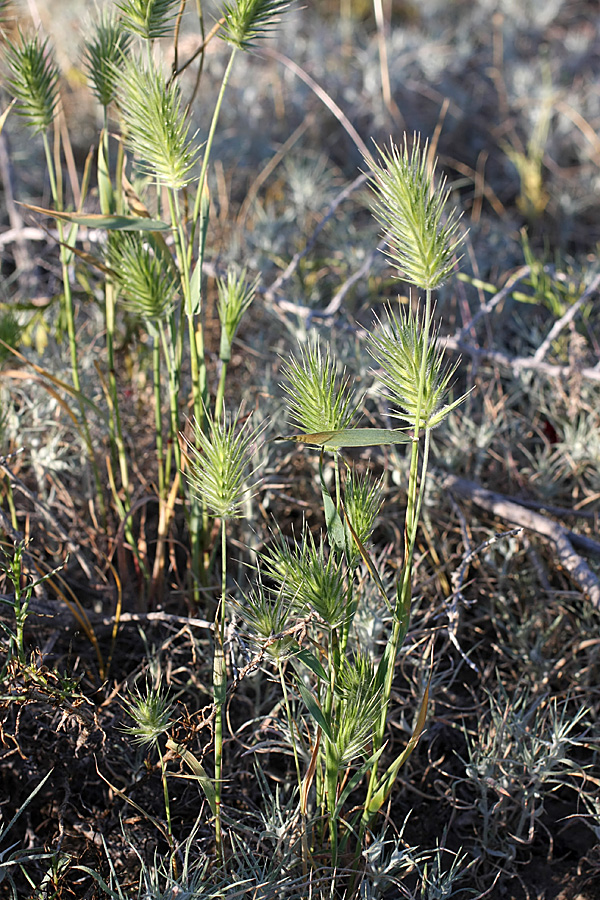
508 510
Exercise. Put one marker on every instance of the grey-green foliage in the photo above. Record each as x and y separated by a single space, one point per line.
524 751
14 858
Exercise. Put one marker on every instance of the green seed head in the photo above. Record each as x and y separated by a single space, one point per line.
398 347
219 460
319 401
103 54
151 19
267 614
151 713
357 708
309 579
235 296
422 239
146 282
247 21
156 129
363 499
33 80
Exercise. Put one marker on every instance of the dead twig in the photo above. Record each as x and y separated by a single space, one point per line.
509 510
519 363
565 319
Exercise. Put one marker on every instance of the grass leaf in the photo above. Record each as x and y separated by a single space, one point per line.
314 709
350 437
97 220
387 780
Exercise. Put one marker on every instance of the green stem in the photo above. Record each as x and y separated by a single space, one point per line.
288 711
160 458
338 487
207 150
195 335
349 616
220 391
173 376
290 720
115 426
411 516
10 499
65 259
220 691
197 530
117 443
196 332
404 596
163 778
331 768
20 608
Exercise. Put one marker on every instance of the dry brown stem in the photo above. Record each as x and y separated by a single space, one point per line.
508 510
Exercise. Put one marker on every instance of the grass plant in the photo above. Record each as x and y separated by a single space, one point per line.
303 605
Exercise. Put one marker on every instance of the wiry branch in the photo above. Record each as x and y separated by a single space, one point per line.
520 363
565 319
509 510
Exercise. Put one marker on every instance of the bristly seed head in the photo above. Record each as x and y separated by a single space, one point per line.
398 347
150 19
422 240
103 53
33 81
151 714
218 459
247 21
156 128
319 401
235 297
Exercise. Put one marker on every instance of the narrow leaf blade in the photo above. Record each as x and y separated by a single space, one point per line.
312 663
314 709
335 526
96 220
351 437
199 773
196 289
388 778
